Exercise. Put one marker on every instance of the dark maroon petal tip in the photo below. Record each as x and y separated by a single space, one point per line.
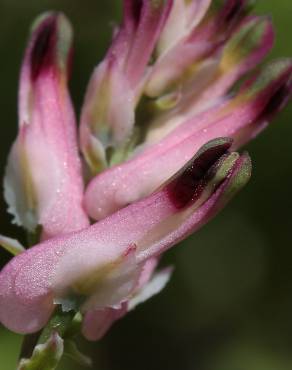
136 9
232 9
43 49
233 12
132 11
188 184
277 101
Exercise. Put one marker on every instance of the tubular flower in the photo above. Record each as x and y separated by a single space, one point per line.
163 117
43 182
108 115
104 267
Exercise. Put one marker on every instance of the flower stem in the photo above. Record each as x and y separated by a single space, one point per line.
61 323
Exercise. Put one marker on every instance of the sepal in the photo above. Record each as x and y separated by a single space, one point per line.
45 356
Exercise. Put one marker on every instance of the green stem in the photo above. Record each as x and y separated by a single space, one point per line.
61 322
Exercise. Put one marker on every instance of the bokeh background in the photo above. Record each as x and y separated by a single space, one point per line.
229 303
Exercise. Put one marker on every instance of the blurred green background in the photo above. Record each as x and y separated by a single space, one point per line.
229 303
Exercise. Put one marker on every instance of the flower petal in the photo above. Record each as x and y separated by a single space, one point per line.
153 287
43 182
26 308
153 15
97 322
108 113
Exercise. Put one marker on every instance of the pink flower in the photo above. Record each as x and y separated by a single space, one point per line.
108 115
100 269
162 118
43 182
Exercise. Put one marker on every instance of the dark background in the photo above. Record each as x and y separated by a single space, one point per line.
229 303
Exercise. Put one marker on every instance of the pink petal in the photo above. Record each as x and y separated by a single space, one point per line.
108 113
154 286
147 272
97 322
26 308
153 15
43 183
182 19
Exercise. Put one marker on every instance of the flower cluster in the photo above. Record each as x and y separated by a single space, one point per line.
163 116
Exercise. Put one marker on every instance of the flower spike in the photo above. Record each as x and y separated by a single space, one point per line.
165 111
